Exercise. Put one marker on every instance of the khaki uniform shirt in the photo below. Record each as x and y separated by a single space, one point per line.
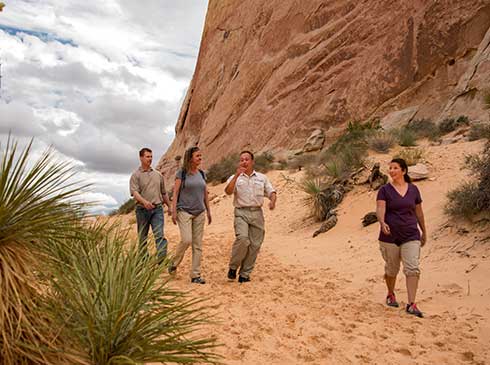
149 184
250 190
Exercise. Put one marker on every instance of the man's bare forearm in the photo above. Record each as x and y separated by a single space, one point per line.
230 188
139 198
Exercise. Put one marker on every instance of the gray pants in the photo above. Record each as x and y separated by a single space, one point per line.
249 233
191 232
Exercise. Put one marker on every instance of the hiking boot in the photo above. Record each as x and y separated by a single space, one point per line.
242 279
198 280
412 309
232 274
391 301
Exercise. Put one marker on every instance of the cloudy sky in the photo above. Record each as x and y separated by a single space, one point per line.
97 80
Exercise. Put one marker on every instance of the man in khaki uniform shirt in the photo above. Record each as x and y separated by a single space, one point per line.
249 188
148 189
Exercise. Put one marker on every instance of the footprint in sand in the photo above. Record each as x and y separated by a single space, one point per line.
450 289
403 351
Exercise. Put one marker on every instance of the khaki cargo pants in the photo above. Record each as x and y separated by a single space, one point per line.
191 232
249 235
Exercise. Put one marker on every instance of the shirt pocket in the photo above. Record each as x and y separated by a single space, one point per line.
258 187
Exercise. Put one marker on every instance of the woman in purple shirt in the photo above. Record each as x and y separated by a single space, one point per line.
399 211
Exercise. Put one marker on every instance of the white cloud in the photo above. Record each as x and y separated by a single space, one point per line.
99 199
98 79
18 119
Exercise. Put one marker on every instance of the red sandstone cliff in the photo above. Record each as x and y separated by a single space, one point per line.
270 72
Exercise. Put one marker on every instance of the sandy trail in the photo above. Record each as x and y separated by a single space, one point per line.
321 300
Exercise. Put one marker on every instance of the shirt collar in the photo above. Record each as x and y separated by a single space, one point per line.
252 174
141 169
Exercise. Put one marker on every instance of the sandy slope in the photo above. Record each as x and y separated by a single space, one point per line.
320 300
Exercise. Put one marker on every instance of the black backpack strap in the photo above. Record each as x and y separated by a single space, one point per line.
182 184
182 178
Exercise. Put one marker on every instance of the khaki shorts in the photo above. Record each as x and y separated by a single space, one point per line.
408 253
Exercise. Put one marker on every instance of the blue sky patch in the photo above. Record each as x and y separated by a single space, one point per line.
44 36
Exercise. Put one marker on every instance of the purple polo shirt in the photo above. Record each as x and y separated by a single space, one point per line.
400 214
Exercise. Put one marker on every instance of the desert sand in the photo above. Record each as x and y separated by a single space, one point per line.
321 300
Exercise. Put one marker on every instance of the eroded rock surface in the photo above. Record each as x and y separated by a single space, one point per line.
269 73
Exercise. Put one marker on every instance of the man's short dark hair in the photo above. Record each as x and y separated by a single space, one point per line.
143 150
250 153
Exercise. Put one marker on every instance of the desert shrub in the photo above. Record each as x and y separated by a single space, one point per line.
465 201
337 169
340 166
381 141
353 157
355 135
462 120
348 152
479 131
473 197
314 187
125 208
412 156
450 124
424 128
263 162
406 137
219 172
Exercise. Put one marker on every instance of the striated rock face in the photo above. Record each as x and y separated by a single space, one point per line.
269 73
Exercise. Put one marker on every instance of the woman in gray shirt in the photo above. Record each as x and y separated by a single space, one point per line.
190 203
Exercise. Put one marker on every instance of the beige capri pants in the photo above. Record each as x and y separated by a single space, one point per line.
408 253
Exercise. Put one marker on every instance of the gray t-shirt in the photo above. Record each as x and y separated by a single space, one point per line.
192 190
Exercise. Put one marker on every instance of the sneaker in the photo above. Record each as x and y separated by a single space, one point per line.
241 279
232 274
412 309
198 280
172 270
391 301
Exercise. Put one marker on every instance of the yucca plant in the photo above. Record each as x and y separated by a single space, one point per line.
36 206
110 300
315 198
336 169
72 294
341 166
